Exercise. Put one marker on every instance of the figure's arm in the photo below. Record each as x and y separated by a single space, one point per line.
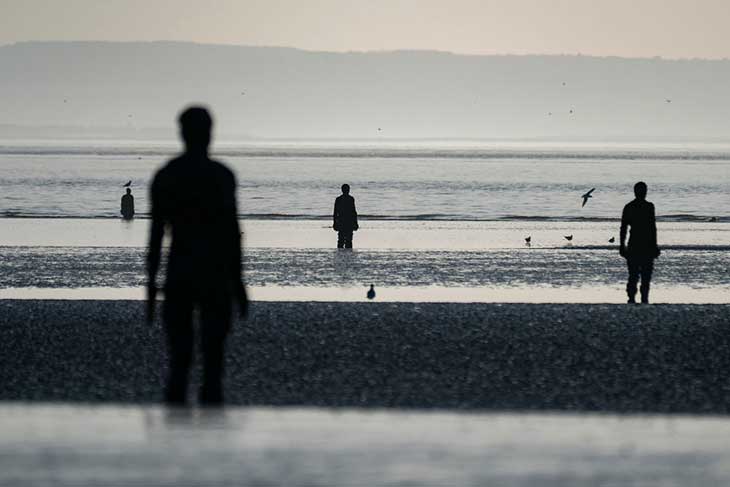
236 255
157 231
334 216
622 234
354 215
652 232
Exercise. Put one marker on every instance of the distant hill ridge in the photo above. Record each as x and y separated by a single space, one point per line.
287 92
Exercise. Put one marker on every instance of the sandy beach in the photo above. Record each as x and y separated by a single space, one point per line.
668 358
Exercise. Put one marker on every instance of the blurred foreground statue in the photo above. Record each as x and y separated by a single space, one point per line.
195 198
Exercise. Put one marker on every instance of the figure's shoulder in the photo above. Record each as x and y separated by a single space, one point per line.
164 175
168 170
222 171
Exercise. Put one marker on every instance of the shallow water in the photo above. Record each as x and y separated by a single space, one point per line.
408 261
112 445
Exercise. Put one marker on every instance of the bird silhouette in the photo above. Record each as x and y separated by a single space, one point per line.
568 237
586 196
611 240
528 239
668 100
128 184
371 292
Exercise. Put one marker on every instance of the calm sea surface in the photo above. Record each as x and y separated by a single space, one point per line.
436 181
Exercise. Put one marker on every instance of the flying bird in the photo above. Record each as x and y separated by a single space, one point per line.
528 239
371 292
568 237
586 196
668 100
128 184
611 240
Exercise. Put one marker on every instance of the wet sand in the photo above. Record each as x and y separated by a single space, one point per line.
667 358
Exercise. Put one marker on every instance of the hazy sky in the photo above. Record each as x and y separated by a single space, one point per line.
634 28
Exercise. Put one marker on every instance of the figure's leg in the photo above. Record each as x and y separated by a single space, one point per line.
178 319
215 317
340 240
633 279
647 268
348 240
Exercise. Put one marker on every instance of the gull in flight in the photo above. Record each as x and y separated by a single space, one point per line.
586 196
528 239
568 237
611 240
371 292
128 184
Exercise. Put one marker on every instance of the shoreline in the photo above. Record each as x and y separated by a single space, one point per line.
550 357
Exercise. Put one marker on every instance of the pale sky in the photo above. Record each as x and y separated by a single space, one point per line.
631 28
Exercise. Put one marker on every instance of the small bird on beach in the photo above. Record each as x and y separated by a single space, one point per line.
371 292
568 237
127 184
586 196
611 240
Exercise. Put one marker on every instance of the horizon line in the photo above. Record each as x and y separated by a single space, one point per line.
370 51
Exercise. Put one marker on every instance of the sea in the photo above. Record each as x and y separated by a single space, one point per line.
440 220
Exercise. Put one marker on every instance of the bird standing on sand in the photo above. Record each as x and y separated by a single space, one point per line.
586 196
128 184
611 240
568 237
371 292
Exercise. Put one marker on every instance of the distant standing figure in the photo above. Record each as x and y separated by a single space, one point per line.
345 218
642 247
128 205
195 197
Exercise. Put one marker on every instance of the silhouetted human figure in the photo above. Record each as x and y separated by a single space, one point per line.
195 197
127 210
345 218
642 246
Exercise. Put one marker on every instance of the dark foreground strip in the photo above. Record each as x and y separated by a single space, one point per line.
669 358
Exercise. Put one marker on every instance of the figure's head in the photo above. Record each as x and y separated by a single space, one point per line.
640 190
129 190
195 126
345 189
